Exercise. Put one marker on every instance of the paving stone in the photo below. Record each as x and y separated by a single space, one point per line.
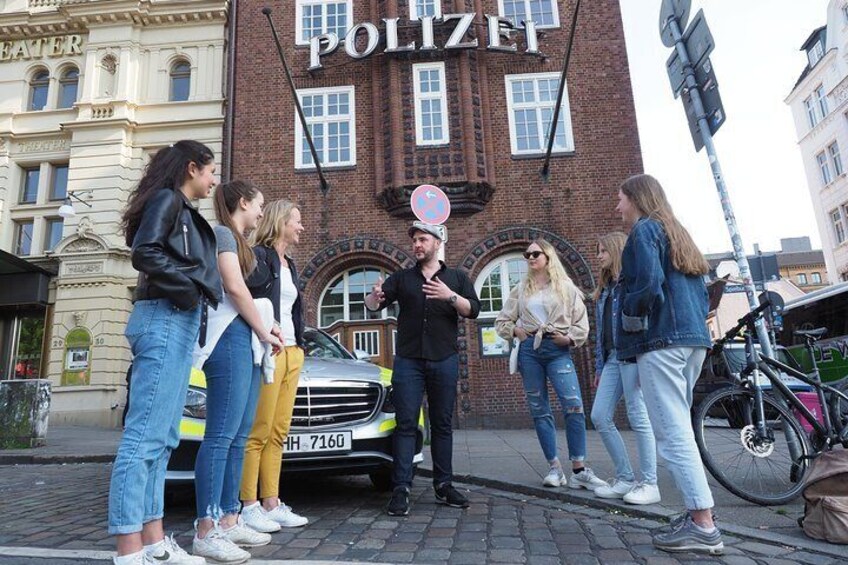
609 542
542 548
499 542
397 556
427 555
369 544
305 543
811 558
543 560
507 556
465 558
762 549
738 560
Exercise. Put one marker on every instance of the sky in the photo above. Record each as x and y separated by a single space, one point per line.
757 60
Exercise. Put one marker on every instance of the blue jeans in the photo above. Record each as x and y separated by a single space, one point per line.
667 377
553 363
622 379
162 339
410 378
232 391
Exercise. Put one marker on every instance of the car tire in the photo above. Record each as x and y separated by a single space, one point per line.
382 480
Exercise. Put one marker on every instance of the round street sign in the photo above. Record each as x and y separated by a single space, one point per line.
678 9
430 204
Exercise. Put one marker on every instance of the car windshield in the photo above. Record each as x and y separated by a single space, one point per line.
319 345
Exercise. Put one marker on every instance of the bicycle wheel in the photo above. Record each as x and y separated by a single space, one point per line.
758 469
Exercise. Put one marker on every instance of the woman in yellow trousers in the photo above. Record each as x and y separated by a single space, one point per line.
275 278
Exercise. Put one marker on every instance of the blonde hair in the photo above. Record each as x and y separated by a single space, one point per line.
646 193
560 281
613 242
270 228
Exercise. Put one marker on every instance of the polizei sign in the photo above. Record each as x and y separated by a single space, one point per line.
499 33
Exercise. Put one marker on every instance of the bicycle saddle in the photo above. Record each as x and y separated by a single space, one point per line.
815 334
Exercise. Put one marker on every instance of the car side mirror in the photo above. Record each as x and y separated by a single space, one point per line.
361 355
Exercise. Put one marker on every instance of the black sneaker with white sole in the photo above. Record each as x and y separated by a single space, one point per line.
399 503
446 494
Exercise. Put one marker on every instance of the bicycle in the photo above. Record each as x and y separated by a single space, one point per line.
750 440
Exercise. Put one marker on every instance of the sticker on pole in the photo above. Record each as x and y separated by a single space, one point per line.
430 204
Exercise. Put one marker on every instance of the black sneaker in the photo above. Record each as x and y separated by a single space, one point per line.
446 494
399 504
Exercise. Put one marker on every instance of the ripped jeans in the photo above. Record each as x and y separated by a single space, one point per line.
553 363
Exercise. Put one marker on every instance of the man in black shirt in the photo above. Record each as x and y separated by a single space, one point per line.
431 297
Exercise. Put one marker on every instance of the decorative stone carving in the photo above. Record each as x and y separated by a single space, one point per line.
83 245
79 317
44 145
84 227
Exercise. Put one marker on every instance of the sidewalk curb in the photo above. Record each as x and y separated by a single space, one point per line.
13 459
642 512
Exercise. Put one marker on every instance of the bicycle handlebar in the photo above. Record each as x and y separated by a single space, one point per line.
746 320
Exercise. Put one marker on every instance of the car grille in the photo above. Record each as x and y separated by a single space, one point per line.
332 403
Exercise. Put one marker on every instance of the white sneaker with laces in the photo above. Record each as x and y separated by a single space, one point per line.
615 489
585 479
284 516
643 494
140 558
218 548
171 552
554 478
254 517
244 536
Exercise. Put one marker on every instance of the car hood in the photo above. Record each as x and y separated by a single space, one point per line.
314 368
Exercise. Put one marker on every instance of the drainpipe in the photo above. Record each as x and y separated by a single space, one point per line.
231 90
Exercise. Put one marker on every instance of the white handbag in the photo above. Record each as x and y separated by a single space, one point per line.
513 356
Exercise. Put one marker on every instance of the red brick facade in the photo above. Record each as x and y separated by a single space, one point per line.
500 202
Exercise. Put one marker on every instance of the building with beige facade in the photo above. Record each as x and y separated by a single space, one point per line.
89 89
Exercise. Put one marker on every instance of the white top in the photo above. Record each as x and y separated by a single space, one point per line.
288 294
537 304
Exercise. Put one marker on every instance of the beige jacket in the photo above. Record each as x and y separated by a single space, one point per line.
567 315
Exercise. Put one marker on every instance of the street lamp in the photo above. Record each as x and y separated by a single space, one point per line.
67 208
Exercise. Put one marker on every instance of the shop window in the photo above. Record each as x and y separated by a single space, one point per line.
180 81
431 104
68 87
23 238
330 116
530 102
420 8
344 298
53 234
544 12
59 182
496 282
317 17
38 86
29 190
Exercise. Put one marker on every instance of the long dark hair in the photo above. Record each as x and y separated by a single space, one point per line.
168 169
227 197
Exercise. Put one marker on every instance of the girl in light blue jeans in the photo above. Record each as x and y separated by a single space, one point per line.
614 379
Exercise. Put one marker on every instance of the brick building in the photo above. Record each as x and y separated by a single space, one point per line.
470 120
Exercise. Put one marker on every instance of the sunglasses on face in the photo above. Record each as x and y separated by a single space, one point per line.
533 254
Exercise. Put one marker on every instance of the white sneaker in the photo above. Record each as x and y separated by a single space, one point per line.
615 489
284 516
171 552
244 536
218 548
254 517
643 494
554 478
140 558
585 479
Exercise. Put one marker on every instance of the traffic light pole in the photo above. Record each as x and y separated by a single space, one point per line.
729 217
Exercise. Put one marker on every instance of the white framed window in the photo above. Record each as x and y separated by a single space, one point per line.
497 280
821 101
838 228
816 278
431 104
420 8
316 17
802 279
810 108
835 158
331 117
544 12
23 237
367 341
530 108
824 168
815 53
344 297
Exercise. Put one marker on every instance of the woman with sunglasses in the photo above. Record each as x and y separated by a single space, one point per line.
546 313
615 378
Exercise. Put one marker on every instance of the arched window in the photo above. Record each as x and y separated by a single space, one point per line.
38 87
180 81
497 280
68 87
344 298
108 74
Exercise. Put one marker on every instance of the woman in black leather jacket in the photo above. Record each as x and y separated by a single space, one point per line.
173 248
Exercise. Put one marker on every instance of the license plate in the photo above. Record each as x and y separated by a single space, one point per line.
319 442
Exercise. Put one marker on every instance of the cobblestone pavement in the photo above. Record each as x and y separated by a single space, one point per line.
64 507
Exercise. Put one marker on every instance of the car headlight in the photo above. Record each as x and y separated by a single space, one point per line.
388 407
195 405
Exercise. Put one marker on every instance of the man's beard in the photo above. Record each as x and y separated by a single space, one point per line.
427 256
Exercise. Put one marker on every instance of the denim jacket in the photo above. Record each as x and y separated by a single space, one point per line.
600 305
659 306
